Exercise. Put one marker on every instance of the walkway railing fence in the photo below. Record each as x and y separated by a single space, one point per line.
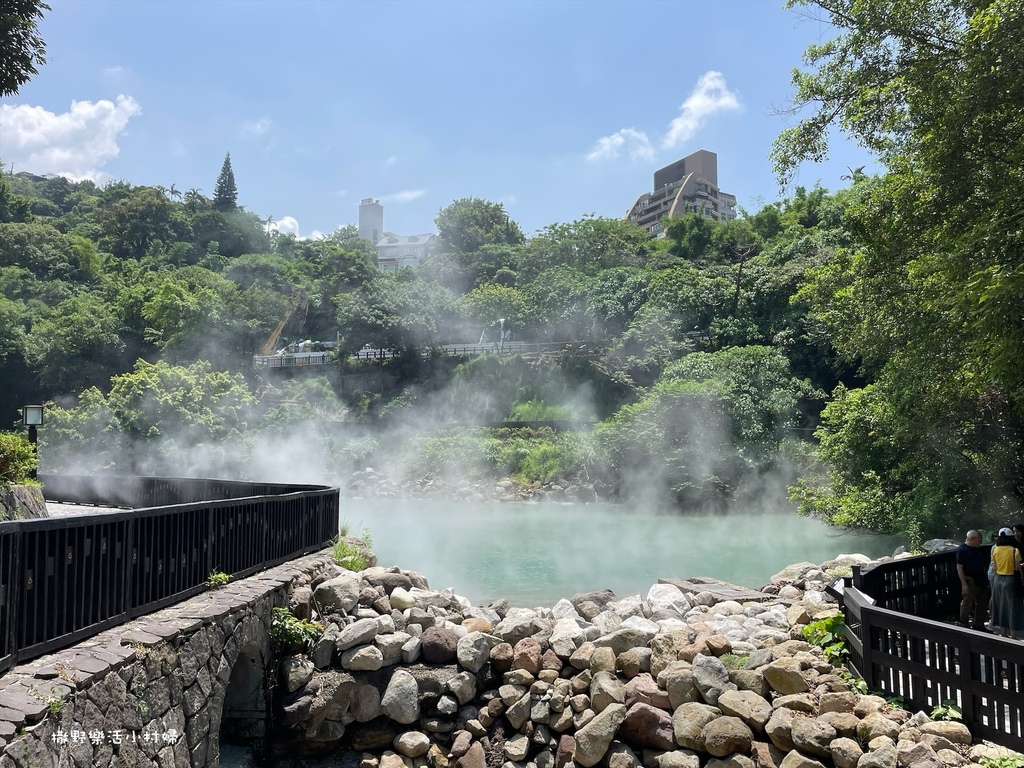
64 579
899 624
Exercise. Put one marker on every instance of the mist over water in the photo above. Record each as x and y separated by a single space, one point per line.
534 554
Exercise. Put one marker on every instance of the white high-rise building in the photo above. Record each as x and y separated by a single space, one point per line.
371 220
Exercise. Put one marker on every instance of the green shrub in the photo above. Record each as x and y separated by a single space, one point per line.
537 410
293 635
17 458
829 635
217 580
947 710
1003 761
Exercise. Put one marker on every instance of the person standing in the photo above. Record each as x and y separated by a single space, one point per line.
972 568
1007 606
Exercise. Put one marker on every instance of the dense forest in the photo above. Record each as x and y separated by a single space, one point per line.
862 347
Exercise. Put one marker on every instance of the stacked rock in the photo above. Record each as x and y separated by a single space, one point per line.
415 678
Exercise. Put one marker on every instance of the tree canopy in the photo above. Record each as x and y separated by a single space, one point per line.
225 193
22 49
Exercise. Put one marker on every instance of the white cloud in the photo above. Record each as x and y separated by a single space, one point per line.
286 225
405 196
115 70
253 128
391 160
289 225
630 140
710 95
75 143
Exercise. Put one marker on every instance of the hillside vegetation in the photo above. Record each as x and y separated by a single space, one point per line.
862 346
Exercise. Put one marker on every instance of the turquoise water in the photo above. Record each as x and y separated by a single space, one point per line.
534 554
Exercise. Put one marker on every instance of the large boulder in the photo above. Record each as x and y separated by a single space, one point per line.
688 723
647 727
593 739
439 645
400 701
338 594
726 736
473 650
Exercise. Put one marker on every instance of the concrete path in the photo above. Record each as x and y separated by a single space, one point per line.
68 510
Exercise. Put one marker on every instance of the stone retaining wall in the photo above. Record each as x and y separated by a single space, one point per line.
20 502
153 691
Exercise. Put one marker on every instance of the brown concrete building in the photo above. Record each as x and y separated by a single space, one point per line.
686 186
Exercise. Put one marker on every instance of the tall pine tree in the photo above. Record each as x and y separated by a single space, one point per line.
225 193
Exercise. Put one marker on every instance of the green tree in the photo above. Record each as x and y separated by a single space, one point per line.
395 312
132 224
484 306
926 296
225 193
589 244
12 207
21 47
469 223
75 346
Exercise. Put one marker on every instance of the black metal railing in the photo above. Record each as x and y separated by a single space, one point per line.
902 641
64 579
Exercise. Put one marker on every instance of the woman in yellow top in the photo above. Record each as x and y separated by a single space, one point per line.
1007 605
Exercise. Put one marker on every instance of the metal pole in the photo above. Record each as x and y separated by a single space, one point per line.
33 438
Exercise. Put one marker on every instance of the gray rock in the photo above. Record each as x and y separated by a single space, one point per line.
593 739
752 709
605 689
813 737
875 725
623 639
725 736
796 759
358 633
365 705
412 743
647 727
711 677
296 672
400 701
474 649
411 650
677 758
688 723
784 676
846 752
338 594
366 658
883 757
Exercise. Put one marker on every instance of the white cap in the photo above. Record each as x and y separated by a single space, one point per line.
1006 532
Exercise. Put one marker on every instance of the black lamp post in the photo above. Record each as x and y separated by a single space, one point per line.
32 416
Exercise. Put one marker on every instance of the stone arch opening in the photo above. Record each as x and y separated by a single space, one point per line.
244 716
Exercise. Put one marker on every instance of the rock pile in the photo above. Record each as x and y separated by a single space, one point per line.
415 678
371 483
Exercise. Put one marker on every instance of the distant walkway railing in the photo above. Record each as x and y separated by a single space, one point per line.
301 359
899 628
64 579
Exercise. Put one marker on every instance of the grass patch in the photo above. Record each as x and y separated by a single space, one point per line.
732 661
350 552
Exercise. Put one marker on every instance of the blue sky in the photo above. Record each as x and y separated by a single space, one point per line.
556 109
